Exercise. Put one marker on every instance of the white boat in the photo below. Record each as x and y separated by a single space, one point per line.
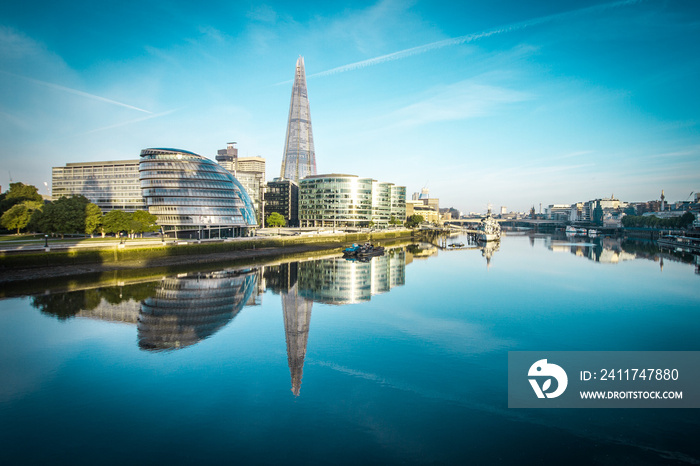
570 230
488 229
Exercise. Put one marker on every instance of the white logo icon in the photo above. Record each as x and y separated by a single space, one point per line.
542 369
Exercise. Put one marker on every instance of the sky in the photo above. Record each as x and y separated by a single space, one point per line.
505 102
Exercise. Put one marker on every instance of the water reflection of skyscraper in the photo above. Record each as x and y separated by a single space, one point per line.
188 309
297 317
333 281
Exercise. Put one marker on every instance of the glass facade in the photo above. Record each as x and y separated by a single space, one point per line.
347 200
110 185
299 159
188 192
398 202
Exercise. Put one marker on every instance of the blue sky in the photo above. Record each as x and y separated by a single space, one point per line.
508 102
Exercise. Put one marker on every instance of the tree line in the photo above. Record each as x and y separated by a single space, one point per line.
23 209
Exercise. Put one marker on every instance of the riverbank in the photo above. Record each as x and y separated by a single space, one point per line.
170 257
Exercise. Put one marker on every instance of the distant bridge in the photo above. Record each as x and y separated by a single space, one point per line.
521 222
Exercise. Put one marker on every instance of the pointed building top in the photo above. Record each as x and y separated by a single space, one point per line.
299 160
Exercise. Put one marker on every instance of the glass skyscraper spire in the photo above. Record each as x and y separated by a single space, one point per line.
299 157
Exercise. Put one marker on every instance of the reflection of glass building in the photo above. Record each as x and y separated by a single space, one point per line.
299 159
110 185
186 310
341 281
189 192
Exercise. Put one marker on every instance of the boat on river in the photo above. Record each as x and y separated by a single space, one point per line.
488 229
363 251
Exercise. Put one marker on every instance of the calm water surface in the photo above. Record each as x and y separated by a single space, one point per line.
402 359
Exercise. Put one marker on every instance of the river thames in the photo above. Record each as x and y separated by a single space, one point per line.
399 360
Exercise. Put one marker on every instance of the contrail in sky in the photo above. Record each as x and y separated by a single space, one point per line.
124 123
468 38
76 92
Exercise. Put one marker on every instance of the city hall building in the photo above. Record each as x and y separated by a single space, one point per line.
347 200
193 196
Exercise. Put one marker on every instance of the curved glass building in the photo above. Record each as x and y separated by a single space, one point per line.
192 195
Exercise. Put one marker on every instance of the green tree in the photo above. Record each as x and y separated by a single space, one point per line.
116 221
93 219
686 220
19 215
142 222
275 219
16 217
18 193
394 221
64 216
414 220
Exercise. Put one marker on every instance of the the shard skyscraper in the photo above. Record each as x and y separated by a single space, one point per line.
299 159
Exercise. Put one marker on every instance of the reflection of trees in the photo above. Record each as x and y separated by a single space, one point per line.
136 292
66 305
186 310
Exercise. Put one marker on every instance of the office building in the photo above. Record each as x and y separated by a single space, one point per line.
348 200
282 196
193 196
251 164
228 157
299 160
249 171
418 207
111 185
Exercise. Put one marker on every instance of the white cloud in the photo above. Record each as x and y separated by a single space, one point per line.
459 101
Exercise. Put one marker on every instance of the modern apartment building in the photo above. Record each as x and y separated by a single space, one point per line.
111 185
348 200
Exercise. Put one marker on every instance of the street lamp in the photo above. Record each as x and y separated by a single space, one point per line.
46 241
